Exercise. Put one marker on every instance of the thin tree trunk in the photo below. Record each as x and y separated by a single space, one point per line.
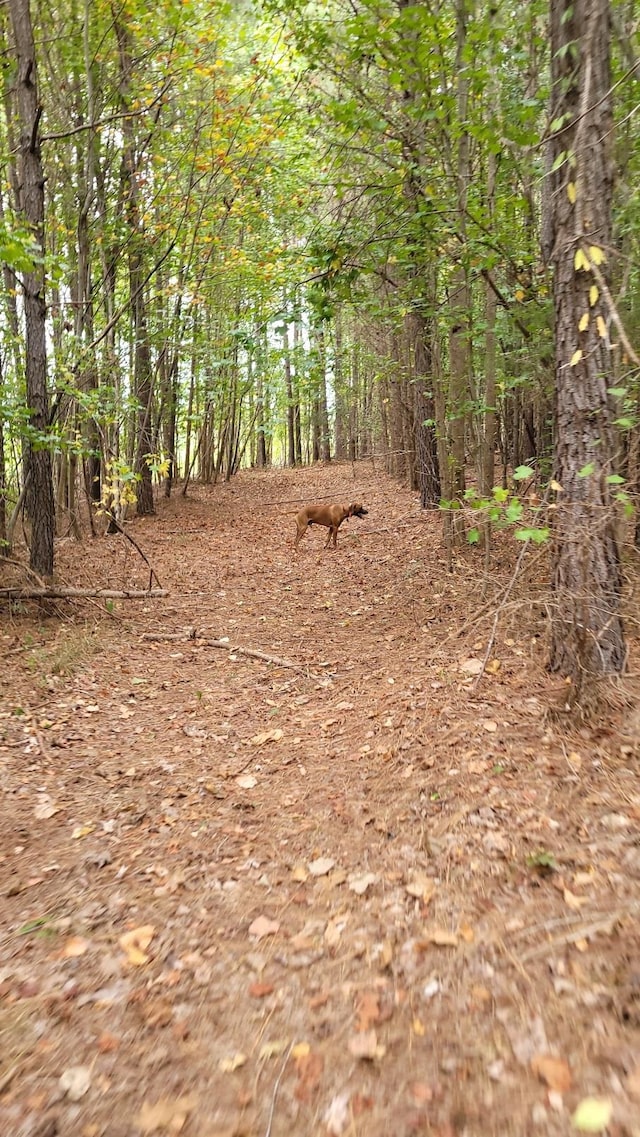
586 630
39 498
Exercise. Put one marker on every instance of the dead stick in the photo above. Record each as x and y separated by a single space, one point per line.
152 572
191 634
72 593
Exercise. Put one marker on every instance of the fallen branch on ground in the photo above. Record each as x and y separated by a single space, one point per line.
190 634
78 593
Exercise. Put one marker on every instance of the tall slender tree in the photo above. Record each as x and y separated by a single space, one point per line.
587 635
39 487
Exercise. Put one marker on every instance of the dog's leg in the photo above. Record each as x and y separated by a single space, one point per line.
299 535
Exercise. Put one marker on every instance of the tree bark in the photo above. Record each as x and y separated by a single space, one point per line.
39 496
587 636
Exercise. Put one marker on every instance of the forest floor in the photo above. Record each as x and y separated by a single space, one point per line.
368 894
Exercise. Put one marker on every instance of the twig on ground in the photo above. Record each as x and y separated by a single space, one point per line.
584 932
190 634
54 593
276 1087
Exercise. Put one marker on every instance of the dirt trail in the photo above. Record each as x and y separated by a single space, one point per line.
357 896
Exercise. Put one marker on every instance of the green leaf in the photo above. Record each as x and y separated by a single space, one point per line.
587 470
614 480
514 511
543 860
559 161
617 392
522 472
500 494
538 536
473 536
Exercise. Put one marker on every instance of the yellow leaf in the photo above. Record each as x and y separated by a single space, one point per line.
81 831
598 255
418 1028
555 486
576 357
300 1050
135 943
580 261
593 294
443 938
74 947
602 328
519 294
228 1065
573 901
584 322
271 1049
592 1115
571 192
267 736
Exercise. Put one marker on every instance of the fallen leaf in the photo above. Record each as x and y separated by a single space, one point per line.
272 1049
471 666
319 1000
74 947
442 938
360 884
167 1113
554 1072
75 1082
592 1115
337 1116
299 874
44 808
261 990
135 944
81 831
421 886
267 736
309 1067
228 1065
321 866
490 725
421 1092
246 781
334 930
367 1010
365 1045
573 901
262 926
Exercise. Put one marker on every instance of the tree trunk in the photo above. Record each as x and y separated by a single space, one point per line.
587 636
39 488
142 370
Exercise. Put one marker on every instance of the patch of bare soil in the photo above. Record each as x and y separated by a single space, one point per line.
361 895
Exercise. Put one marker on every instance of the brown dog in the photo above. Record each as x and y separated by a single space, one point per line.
330 515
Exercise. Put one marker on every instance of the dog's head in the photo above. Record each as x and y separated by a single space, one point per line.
357 510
